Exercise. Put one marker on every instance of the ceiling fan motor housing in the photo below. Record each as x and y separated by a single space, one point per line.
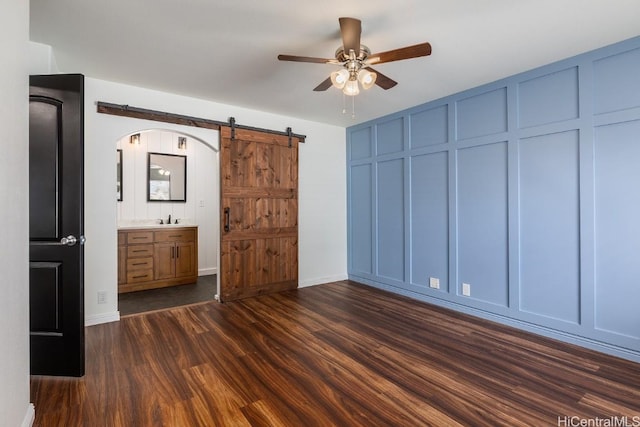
352 62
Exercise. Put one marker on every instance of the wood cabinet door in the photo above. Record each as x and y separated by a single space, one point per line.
185 259
164 265
259 213
122 265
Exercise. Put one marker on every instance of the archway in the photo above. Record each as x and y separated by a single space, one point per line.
201 209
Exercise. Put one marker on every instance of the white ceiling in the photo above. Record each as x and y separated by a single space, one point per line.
225 51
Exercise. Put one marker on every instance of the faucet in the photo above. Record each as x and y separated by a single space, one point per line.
169 220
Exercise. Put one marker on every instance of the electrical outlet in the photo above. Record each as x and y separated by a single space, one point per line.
434 282
102 297
466 289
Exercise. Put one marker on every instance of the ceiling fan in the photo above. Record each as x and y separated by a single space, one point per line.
356 60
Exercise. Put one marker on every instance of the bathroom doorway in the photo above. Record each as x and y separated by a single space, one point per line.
135 210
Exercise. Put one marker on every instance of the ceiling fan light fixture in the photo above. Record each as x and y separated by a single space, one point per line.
339 78
367 78
351 88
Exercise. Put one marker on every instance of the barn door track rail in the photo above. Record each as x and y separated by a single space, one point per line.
124 110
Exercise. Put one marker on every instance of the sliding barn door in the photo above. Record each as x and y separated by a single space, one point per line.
259 213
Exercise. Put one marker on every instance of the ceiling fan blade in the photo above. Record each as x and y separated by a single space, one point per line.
326 84
351 29
381 80
295 58
415 51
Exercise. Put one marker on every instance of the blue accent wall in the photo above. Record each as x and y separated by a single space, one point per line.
526 191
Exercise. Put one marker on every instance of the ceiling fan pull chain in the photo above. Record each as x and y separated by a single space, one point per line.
353 107
344 103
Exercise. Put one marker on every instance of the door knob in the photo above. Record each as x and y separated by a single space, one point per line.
70 240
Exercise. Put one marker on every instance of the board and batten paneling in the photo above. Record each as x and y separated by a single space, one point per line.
390 219
201 207
482 222
617 213
549 204
360 232
526 189
430 218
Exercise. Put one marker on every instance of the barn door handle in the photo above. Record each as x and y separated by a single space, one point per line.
227 227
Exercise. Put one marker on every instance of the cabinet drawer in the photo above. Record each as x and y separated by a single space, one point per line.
138 251
137 276
185 235
139 263
134 237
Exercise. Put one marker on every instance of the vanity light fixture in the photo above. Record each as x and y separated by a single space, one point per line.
134 139
182 143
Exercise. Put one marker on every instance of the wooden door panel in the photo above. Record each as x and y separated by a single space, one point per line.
288 213
45 288
45 195
290 259
185 259
265 170
241 165
241 213
278 262
164 261
259 214
276 166
238 266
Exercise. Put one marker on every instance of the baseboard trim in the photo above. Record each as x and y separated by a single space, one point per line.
322 280
29 417
207 271
102 318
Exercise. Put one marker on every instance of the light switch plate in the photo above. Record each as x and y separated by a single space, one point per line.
102 297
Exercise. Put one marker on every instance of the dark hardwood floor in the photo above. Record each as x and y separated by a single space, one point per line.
173 296
340 354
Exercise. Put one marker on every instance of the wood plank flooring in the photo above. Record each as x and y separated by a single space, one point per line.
340 354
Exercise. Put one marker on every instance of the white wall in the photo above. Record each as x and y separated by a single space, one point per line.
15 409
201 207
41 59
322 184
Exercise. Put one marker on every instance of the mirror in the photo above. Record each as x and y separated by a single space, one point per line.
167 178
119 175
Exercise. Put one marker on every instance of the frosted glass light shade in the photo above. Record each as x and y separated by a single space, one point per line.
339 78
367 78
351 88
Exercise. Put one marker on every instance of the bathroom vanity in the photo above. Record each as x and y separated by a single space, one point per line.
156 256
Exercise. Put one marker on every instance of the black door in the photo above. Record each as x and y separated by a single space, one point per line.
56 224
